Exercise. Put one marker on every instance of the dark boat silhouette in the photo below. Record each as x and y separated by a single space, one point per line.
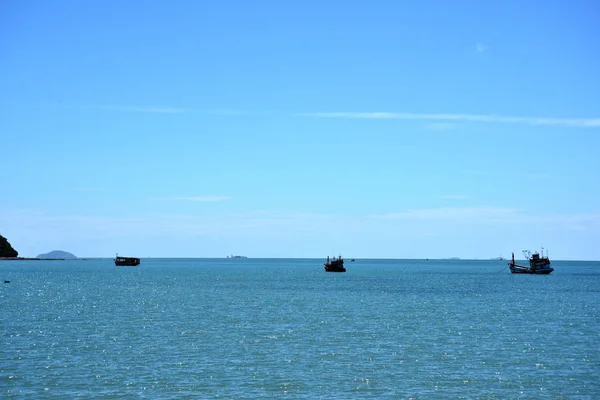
127 261
334 264
539 265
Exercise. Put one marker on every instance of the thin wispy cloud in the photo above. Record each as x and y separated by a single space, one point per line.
476 172
116 107
89 189
498 119
533 175
226 112
481 47
439 121
465 214
130 230
177 110
242 223
151 110
193 198
494 216
441 126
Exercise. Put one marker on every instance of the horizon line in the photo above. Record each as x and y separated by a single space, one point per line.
23 258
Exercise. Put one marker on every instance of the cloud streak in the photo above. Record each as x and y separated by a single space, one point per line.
498 119
465 214
89 189
437 121
493 216
487 225
193 198
223 112
150 110
453 197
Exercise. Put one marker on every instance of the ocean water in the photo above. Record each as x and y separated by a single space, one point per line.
266 328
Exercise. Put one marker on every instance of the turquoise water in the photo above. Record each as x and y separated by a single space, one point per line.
252 328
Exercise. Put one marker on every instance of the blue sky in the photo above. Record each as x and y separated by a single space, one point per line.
380 129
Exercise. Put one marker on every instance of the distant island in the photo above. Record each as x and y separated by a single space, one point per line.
58 254
6 250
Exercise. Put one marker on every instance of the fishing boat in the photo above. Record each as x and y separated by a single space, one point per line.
334 264
538 264
126 261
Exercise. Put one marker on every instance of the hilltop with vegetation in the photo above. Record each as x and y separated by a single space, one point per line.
6 250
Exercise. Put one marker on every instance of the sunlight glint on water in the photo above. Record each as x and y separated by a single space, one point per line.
251 328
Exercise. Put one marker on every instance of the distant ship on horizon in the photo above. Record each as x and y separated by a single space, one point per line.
232 256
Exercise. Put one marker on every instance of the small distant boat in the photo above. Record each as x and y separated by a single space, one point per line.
538 264
334 264
127 261
232 256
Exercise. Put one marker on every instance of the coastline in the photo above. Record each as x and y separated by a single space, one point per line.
37 259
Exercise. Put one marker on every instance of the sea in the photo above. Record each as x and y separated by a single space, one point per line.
285 328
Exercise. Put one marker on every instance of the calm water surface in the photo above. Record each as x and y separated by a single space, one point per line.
252 328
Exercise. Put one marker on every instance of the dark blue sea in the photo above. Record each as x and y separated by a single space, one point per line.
284 328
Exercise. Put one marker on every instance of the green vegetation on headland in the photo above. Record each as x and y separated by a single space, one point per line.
6 250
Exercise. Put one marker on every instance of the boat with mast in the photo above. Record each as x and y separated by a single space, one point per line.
334 264
538 264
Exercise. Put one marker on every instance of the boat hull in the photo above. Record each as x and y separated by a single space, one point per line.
537 265
334 264
518 269
127 262
334 269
